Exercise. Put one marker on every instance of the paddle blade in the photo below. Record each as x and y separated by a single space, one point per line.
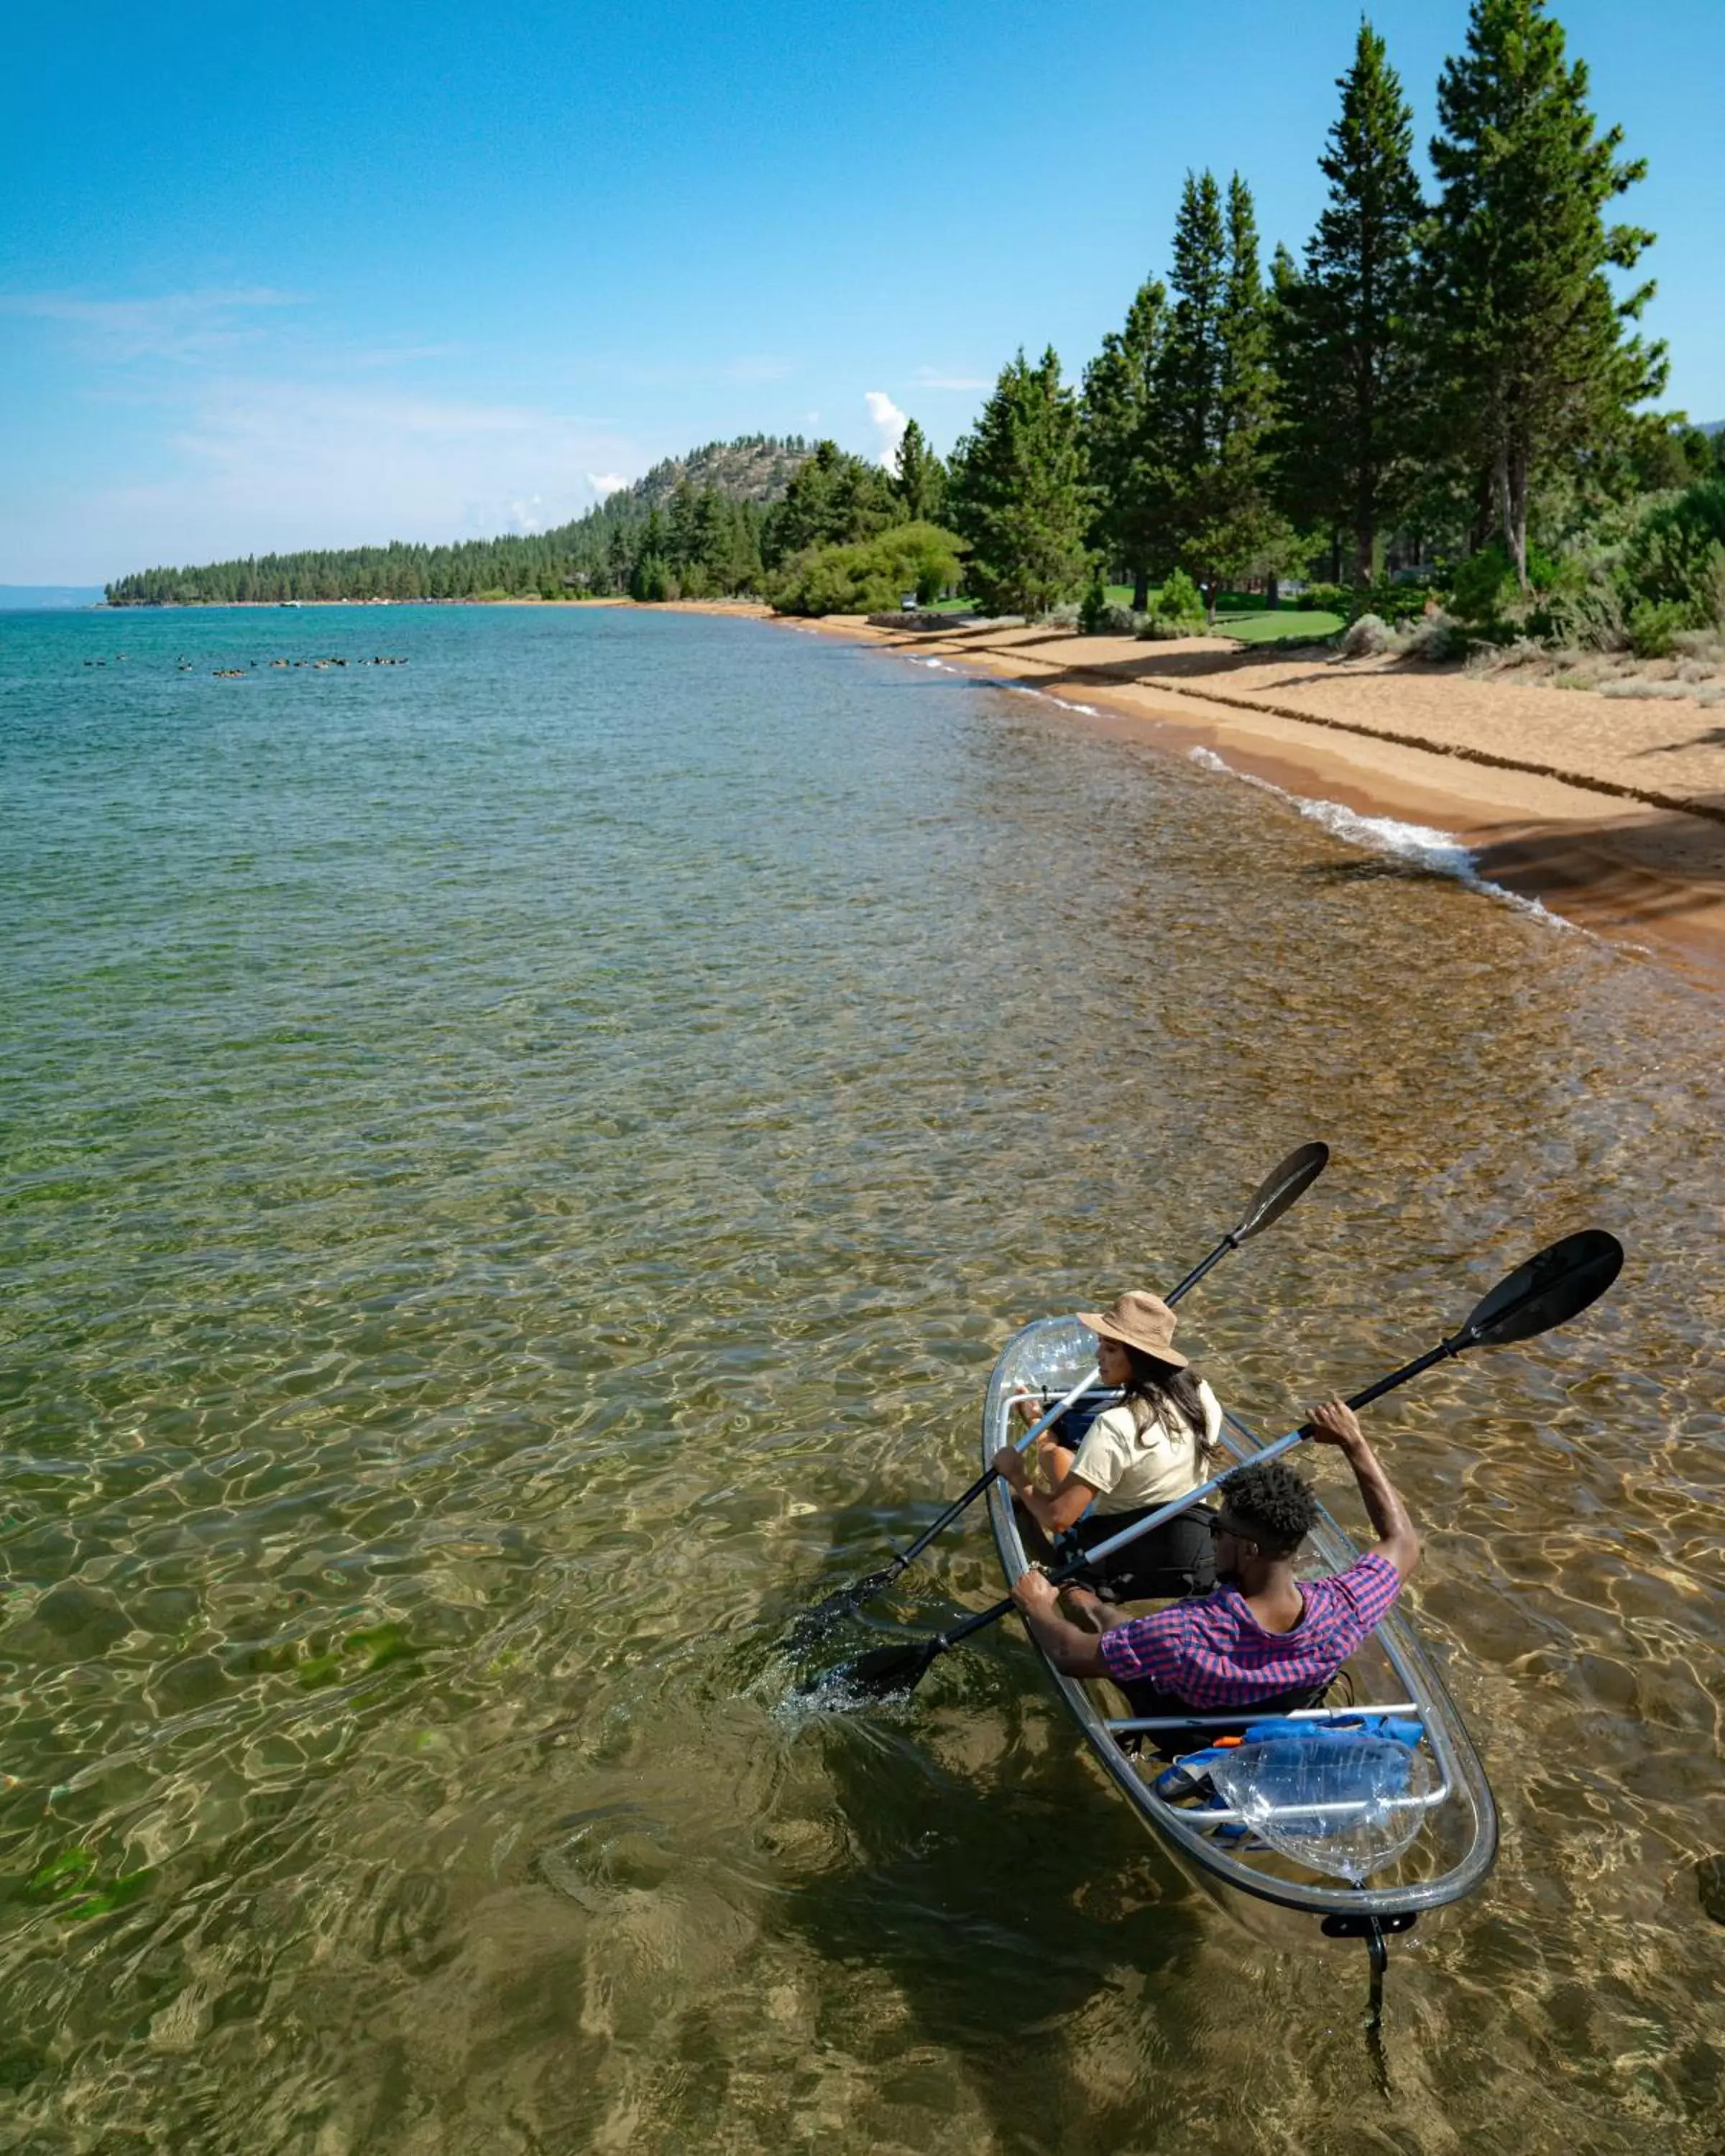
1279 1188
820 1617
877 1675
1549 1290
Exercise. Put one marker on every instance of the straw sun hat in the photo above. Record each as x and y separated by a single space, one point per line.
1141 1320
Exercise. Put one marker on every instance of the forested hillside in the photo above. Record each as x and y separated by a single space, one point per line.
708 511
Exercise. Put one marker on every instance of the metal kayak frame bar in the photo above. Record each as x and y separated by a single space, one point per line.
1403 1708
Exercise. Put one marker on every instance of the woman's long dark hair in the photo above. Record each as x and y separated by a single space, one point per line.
1156 1387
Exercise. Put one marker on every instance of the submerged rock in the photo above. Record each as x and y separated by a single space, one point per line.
1710 1880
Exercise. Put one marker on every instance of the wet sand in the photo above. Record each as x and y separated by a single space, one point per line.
1611 811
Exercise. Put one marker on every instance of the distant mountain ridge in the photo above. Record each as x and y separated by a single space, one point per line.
739 481
753 468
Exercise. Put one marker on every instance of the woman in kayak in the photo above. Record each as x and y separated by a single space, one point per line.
1151 1447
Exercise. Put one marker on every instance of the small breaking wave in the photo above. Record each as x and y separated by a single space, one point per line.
1440 853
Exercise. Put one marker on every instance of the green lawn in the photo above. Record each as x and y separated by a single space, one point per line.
1245 615
1286 624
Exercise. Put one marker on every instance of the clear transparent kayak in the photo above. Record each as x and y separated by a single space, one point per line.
1280 1821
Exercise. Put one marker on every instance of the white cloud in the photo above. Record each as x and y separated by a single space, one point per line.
929 378
889 423
185 325
258 465
604 485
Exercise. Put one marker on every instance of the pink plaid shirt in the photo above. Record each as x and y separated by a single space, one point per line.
1210 1651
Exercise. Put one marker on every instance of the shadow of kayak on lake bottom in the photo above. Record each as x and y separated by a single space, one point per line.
1030 1935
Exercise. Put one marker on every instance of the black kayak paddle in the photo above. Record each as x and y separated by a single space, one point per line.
1549 1290
1279 1189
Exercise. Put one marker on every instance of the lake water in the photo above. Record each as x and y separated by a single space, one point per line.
516 1166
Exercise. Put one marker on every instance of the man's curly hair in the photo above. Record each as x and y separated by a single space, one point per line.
1274 1500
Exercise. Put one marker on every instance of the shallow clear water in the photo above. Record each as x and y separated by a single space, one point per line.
516 1166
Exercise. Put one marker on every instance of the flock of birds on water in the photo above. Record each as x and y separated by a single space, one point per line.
239 673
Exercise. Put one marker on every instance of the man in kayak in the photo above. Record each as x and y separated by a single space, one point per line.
1261 1640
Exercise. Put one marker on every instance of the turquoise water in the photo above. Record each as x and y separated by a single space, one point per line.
516 1166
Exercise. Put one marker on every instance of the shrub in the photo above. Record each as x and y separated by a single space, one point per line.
1485 584
1435 638
1388 602
1677 556
1093 605
1366 637
871 576
1654 625
1670 692
1179 609
1323 598
1587 619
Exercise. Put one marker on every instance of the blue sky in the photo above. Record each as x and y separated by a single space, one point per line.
353 273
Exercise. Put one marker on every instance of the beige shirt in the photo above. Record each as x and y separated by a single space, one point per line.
1129 1467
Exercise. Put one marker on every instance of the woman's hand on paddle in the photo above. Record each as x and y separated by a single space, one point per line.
1335 1423
1009 1466
1036 1595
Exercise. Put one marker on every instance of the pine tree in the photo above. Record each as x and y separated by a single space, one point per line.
682 539
1017 492
1537 363
1117 418
1188 370
920 481
619 560
1345 337
1215 401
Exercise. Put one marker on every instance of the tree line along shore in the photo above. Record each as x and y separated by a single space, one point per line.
1434 432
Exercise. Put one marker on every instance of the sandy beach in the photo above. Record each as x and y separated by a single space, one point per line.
1611 811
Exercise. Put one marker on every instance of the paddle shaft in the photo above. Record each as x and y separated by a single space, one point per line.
1163 1513
1231 1241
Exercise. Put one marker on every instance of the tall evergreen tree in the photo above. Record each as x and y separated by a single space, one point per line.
619 560
1117 418
1188 369
1345 338
1537 363
1215 400
1017 492
920 480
